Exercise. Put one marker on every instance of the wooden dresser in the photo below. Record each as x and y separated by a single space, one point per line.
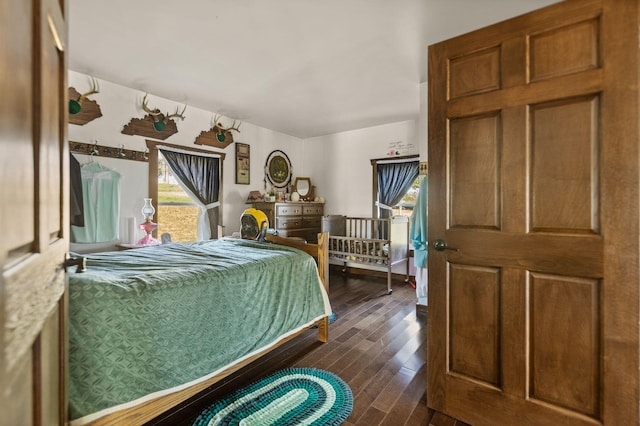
294 219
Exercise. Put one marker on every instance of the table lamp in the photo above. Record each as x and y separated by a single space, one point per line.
148 226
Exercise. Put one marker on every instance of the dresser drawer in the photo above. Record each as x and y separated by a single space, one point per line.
313 210
288 222
285 210
312 222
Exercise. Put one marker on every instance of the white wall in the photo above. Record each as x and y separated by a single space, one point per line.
339 165
119 104
423 125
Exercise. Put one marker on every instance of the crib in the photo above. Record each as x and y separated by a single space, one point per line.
369 243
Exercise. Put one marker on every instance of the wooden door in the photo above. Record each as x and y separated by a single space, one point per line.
533 177
33 211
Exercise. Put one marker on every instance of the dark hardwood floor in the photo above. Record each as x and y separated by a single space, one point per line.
377 345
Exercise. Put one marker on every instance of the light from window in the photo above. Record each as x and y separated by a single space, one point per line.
408 202
177 213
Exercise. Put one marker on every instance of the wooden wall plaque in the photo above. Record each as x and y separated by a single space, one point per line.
89 112
144 127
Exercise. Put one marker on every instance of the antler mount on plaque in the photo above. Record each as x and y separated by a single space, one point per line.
82 109
155 124
218 136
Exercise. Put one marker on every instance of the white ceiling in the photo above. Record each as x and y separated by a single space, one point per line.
301 67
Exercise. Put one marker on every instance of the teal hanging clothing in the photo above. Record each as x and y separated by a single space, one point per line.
101 197
418 227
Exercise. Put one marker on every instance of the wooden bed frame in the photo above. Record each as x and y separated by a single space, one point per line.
149 410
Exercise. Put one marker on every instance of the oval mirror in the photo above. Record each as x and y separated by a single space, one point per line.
302 186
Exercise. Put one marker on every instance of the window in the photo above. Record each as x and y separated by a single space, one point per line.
395 185
202 173
407 203
177 212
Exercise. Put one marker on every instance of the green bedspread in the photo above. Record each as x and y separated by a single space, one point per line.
151 319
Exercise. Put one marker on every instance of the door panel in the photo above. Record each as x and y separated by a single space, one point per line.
465 78
524 319
566 375
564 50
34 212
564 166
474 333
16 120
50 361
18 404
475 154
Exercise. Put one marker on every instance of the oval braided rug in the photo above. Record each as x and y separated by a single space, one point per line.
293 396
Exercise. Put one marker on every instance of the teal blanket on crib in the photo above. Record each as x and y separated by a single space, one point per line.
150 319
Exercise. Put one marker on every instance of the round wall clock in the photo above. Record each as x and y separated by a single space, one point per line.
278 169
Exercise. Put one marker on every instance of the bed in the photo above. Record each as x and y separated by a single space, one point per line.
151 327
370 243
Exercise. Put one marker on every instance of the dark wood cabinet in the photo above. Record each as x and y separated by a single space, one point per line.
294 219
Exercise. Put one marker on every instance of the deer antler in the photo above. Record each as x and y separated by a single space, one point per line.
153 112
160 120
216 123
94 89
233 127
177 114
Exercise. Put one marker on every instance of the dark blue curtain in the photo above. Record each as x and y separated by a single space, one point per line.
199 176
394 180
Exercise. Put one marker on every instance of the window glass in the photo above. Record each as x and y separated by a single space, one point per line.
408 202
177 213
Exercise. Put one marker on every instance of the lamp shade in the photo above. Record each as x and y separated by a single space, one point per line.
148 210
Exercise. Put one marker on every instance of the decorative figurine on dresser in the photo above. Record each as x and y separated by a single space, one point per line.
301 219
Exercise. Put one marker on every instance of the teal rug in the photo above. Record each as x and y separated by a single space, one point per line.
293 396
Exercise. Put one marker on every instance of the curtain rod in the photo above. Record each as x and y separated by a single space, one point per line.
151 145
397 159
188 152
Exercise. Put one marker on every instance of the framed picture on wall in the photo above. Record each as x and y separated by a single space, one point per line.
242 163
278 169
